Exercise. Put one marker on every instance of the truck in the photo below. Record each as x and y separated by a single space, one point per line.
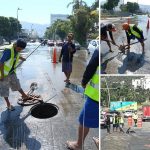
146 112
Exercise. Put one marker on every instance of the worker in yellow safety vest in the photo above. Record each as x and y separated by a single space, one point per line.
132 32
121 122
135 118
89 116
8 78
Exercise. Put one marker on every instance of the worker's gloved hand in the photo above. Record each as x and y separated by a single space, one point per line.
83 85
22 58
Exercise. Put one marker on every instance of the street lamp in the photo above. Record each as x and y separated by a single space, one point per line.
17 22
108 93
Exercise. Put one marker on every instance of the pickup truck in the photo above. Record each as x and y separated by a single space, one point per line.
146 112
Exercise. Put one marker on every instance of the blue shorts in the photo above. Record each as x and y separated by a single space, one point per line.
89 116
66 66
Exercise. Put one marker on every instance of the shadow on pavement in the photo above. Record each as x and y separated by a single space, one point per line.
132 62
104 64
15 131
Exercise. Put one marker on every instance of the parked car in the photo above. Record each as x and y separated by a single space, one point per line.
77 45
50 43
59 43
146 112
128 113
93 45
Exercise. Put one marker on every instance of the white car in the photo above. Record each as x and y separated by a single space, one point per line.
128 113
94 44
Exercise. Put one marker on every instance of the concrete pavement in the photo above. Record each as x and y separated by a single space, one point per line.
19 130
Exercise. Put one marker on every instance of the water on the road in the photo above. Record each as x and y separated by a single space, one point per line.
20 130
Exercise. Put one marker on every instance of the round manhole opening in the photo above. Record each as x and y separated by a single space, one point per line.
44 111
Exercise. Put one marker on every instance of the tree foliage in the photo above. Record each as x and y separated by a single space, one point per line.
110 4
76 4
121 89
130 7
81 22
95 5
9 27
59 28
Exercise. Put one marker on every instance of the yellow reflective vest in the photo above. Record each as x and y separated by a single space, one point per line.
121 120
9 63
92 88
136 34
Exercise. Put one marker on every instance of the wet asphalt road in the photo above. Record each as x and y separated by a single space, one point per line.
19 130
140 140
134 62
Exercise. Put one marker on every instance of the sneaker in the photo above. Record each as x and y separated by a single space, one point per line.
11 108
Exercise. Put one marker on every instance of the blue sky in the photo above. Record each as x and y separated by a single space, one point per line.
36 11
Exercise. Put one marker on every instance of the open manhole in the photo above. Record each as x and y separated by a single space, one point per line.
44 111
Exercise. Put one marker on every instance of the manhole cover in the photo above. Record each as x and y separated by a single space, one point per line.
44 111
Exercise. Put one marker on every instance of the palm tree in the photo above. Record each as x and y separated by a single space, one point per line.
76 4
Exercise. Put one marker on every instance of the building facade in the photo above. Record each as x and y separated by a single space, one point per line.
144 83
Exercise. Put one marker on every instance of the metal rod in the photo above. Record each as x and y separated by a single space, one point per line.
49 99
27 56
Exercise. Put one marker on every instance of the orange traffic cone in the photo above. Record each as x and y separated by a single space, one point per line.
130 121
54 56
148 24
139 124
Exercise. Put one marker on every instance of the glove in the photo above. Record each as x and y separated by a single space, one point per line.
113 42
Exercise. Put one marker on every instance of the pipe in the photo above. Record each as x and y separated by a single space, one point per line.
27 56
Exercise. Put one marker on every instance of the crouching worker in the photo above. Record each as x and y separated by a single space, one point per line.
132 32
104 36
8 78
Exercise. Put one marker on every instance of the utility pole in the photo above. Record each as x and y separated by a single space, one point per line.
17 22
